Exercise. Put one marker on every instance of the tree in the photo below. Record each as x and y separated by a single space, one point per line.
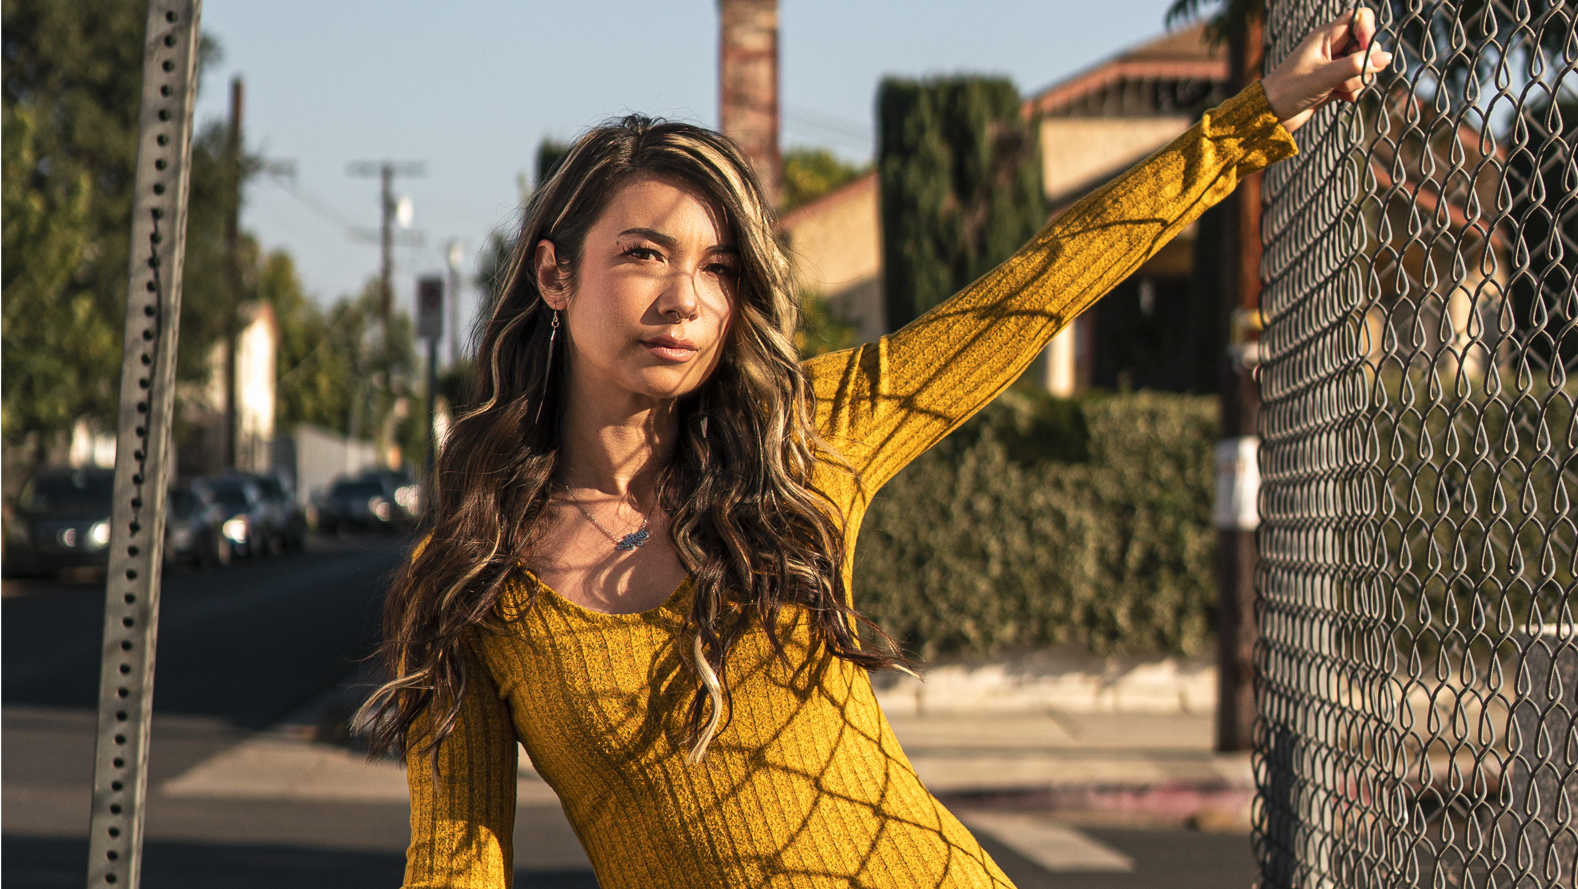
550 154
960 179
810 173
1232 18
60 345
213 280
316 372
72 86
71 89
1545 259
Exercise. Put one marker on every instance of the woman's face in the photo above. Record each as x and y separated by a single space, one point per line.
652 297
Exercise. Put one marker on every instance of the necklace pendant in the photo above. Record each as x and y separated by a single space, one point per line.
632 540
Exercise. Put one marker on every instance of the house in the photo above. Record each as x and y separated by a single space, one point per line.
213 427
1093 126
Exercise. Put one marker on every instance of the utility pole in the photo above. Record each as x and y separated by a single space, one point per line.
386 171
237 152
456 254
430 326
1236 513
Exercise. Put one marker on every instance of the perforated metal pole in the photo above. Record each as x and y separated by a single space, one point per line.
153 311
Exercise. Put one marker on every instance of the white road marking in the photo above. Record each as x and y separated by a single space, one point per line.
279 767
1055 847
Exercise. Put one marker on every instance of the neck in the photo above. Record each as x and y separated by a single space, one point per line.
616 449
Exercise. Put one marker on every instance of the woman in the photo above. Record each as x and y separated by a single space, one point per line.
640 548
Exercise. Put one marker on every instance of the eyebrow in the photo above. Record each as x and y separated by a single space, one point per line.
669 242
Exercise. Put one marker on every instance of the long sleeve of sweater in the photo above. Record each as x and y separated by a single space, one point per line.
463 824
881 405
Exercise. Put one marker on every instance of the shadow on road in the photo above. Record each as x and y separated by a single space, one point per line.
41 863
248 644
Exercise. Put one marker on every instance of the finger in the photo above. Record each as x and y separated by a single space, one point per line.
1338 32
1364 27
1354 67
1334 74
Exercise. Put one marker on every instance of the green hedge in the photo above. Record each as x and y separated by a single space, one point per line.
1045 520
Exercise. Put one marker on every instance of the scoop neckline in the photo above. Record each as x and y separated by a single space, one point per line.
609 615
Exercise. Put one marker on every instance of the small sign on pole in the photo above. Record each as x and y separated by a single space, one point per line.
430 307
1237 503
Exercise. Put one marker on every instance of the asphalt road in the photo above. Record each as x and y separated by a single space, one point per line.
246 645
238 650
241 649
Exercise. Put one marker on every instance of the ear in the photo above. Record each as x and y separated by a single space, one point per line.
550 277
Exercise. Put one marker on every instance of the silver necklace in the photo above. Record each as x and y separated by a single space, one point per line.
623 544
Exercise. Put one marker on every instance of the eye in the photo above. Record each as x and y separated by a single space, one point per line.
723 269
640 252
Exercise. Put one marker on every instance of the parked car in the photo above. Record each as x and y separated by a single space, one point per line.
403 489
62 521
194 528
286 521
359 503
246 517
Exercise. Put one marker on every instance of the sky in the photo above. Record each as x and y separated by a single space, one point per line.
470 88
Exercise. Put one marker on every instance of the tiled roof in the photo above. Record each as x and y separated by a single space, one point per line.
1181 55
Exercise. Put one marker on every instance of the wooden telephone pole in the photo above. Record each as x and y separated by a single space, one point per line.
1237 476
232 325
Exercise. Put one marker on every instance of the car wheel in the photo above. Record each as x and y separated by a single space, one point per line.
215 553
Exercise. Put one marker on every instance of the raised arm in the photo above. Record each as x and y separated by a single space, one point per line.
462 825
884 403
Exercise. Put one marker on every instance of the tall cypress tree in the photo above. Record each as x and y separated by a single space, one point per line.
960 175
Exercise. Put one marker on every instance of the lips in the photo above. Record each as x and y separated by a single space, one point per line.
670 349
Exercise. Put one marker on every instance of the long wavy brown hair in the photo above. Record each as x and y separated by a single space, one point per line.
746 520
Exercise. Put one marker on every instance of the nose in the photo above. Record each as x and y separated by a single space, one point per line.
680 301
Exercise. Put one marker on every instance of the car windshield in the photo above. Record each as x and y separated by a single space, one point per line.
80 491
271 488
232 494
182 504
357 490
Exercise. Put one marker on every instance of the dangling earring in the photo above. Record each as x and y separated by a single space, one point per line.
547 377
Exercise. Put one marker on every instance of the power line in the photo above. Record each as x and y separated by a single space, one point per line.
840 129
325 212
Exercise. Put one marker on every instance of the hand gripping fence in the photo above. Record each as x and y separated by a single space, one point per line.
1418 663
153 312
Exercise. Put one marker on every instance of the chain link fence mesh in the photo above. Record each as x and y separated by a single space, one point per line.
1418 667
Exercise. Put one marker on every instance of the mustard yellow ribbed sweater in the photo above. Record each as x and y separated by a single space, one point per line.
806 785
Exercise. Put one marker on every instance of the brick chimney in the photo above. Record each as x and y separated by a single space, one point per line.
748 84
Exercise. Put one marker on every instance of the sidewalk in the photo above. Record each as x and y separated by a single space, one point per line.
1159 766
1052 796
1156 767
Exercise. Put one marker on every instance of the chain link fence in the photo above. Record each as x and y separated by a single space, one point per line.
1418 662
